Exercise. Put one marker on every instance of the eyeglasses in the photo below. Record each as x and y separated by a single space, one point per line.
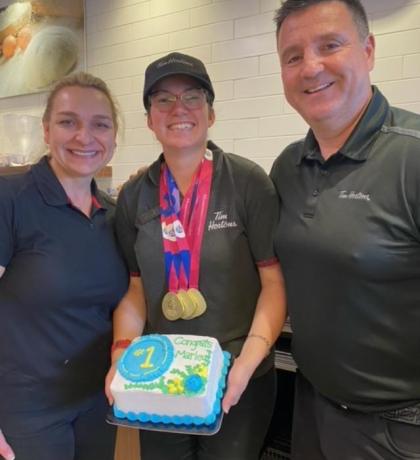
193 98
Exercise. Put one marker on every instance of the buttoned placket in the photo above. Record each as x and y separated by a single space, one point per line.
319 184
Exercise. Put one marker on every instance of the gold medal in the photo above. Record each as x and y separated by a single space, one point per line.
172 306
200 303
188 302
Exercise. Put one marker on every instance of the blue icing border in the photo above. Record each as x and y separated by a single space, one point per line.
136 365
186 419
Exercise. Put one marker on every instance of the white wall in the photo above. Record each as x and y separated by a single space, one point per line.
235 39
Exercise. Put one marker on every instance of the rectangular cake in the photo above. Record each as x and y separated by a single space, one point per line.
171 379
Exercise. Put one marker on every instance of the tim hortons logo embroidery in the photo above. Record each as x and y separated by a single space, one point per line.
220 220
174 60
345 195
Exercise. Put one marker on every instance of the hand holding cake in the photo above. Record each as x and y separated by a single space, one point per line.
196 229
171 379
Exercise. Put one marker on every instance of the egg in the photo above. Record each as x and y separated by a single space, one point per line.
24 37
9 46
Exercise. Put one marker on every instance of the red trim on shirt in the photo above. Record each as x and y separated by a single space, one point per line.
135 274
95 202
268 263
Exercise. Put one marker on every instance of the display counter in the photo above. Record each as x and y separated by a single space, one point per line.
10 170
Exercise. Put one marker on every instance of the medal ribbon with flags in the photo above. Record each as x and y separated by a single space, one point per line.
183 225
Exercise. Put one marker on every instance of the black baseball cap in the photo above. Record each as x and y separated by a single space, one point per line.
175 64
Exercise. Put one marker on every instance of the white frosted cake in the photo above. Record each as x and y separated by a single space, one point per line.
171 379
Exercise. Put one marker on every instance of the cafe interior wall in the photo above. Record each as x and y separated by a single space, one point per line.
235 39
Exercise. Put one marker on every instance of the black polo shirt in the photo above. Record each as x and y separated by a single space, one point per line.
349 245
238 237
64 277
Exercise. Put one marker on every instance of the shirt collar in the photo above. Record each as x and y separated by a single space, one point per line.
359 144
51 189
154 170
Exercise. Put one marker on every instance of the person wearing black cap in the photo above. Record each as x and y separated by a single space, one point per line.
233 287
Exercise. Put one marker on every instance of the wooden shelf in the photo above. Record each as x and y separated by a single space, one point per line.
128 445
10 170
105 172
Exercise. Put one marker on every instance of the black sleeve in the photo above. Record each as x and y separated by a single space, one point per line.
8 209
125 218
262 206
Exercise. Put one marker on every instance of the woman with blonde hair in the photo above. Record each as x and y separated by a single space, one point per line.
61 277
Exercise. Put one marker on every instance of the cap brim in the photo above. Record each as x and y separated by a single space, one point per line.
148 90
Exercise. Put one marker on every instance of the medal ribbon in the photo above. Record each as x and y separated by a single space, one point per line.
183 225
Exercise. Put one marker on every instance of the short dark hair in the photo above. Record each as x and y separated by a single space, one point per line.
355 7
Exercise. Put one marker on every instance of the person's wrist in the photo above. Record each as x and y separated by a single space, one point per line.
262 339
247 365
116 356
120 345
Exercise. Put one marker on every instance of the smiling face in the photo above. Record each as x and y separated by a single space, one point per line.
180 129
325 65
80 132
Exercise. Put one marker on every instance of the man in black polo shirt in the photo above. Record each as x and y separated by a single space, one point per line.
349 241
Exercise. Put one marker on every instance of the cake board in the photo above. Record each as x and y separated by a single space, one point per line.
203 430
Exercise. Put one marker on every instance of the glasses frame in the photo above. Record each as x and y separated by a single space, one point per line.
178 96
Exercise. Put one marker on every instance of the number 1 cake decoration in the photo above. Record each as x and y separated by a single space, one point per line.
146 359
176 380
